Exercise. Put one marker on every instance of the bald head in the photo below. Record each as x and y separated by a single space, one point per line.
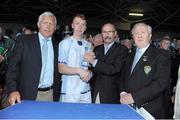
109 24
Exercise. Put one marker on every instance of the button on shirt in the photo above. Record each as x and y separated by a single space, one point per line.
49 71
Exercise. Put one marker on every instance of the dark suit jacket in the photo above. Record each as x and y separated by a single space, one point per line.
25 67
149 81
107 71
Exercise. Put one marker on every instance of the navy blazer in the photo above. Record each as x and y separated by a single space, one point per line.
25 68
107 72
149 81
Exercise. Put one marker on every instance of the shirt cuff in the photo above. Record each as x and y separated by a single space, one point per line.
123 92
94 64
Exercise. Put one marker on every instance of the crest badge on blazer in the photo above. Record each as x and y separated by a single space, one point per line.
147 69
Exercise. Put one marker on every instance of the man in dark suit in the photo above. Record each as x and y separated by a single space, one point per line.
108 63
33 67
146 75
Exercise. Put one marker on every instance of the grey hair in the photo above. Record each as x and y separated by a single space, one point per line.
47 13
142 24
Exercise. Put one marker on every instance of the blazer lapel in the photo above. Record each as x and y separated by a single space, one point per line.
37 49
100 52
146 55
130 63
111 49
55 49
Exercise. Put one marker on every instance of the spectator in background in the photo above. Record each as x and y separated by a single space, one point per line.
127 43
2 42
97 40
165 44
27 31
166 36
117 38
33 67
6 45
177 44
66 33
175 64
2 58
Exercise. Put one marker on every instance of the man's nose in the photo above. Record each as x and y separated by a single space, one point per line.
139 35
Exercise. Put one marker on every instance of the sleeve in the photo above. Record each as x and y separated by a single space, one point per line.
62 54
13 67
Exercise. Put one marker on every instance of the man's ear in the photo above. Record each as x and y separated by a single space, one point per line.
72 26
150 36
115 32
38 24
85 28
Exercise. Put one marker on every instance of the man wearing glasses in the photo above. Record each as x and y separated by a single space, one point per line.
107 65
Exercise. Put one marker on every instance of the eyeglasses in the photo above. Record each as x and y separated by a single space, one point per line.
140 33
104 32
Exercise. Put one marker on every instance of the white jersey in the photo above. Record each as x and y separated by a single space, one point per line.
71 53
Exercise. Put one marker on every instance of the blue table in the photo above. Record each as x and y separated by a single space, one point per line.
57 110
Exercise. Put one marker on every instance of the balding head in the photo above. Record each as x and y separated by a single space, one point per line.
109 24
108 33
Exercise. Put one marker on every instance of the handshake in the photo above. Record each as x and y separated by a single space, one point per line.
90 57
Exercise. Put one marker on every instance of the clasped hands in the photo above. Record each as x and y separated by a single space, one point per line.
90 57
126 98
86 74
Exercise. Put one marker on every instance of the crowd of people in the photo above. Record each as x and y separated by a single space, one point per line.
100 69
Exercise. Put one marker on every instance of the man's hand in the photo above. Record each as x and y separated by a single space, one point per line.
1 58
173 98
14 97
126 98
89 57
84 74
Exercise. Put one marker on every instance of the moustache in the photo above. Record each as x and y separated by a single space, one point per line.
107 37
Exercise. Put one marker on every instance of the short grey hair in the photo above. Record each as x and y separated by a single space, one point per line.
47 13
142 24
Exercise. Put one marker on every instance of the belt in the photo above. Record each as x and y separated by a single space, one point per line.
45 89
80 92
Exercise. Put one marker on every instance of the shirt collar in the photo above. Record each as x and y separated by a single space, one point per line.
108 45
143 49
41 37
